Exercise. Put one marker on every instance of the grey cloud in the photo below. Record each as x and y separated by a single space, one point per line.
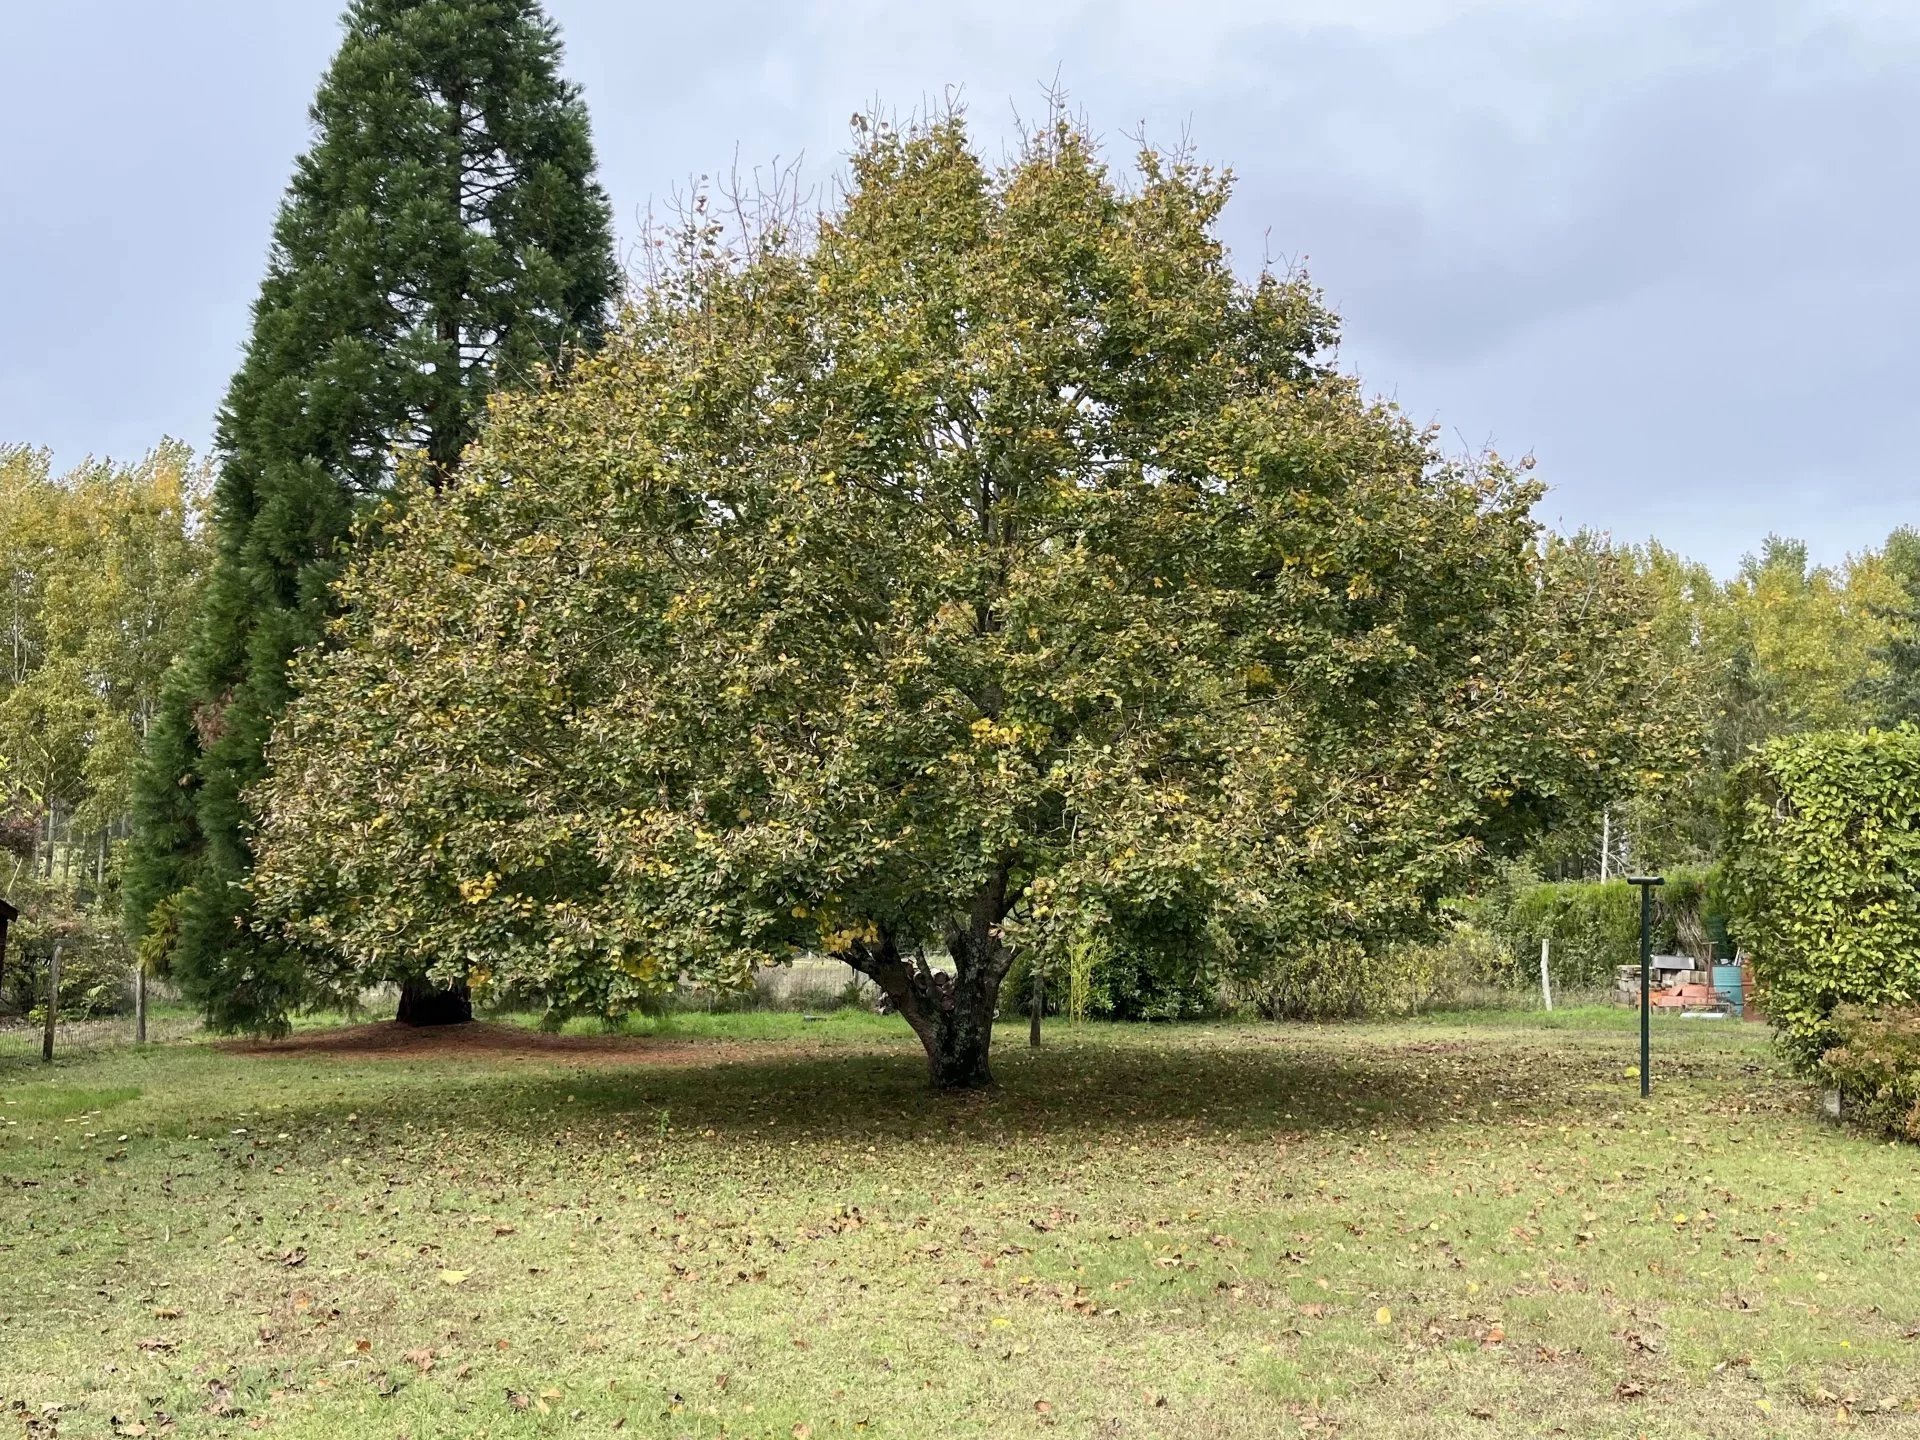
1665 246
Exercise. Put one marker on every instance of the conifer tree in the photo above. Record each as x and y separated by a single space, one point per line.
443 237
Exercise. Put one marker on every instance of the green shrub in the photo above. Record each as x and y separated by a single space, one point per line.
1824 876
1344 981
96 968
1876 1068
1594 925
1109 982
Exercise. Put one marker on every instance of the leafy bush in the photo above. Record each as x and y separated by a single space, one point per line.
1594 925
1348 982
1876 1068
1114 983
19 833
1824 877
96 967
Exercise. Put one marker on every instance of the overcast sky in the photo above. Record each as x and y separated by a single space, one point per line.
1667 247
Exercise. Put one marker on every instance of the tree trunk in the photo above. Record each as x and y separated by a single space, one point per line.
952 1014
424 1003
959 1042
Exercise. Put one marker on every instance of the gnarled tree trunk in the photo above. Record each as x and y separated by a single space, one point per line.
952 1014
424 1003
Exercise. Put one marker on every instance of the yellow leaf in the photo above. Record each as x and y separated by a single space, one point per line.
452 1277
1383 1316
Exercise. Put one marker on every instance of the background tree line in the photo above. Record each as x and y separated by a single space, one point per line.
103 567
1781 647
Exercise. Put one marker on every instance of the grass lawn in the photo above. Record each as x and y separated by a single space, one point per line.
755 1226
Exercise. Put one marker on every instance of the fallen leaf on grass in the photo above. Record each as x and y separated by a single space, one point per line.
294 1258
453 1277
421 1359
1383 1316
1043 1407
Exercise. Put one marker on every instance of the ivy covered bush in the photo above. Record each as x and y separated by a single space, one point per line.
1824 877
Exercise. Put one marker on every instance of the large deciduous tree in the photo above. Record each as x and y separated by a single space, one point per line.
443 237
984 565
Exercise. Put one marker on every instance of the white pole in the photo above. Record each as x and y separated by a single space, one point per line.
1546 989
1606 839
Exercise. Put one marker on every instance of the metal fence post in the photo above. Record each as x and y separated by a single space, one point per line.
1646 884
53 1005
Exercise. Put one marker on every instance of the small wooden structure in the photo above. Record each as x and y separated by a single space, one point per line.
7 916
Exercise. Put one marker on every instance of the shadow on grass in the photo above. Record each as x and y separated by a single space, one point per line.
1173 1083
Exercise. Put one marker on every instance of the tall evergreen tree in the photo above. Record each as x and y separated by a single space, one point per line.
443 237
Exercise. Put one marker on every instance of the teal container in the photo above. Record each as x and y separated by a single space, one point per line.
1730 984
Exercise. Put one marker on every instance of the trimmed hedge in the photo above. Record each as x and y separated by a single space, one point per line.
1595 925
1824 874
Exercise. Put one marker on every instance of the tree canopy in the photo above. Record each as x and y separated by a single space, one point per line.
1781 647
444 236
102 570
983 565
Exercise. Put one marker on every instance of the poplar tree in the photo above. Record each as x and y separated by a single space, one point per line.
444 237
